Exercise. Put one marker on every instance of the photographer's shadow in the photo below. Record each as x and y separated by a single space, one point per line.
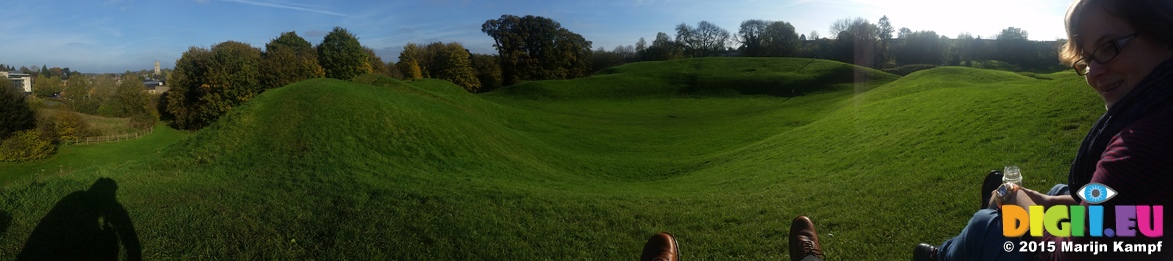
85 225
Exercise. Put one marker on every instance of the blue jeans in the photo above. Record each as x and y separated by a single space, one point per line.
982 238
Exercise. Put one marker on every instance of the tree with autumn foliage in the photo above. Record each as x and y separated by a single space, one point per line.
409 61
451 62
288 59
375 64
438 60
208 83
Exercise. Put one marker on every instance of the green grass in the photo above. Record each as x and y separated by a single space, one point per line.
85 158
722 152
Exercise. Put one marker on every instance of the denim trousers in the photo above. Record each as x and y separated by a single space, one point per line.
982 238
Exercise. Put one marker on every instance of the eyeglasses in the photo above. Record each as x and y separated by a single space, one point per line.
1103 54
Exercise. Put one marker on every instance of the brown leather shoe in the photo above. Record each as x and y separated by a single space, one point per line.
804 241
661 247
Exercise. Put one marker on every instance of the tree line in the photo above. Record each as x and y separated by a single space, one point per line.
538 48
855 40
208 82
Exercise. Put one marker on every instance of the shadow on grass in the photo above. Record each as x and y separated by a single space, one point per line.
5 220
85 225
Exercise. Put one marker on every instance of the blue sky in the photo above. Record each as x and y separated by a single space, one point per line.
98 36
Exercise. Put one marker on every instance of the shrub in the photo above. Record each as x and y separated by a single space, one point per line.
26 145
63 126
69 125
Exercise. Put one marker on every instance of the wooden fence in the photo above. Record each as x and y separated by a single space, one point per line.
110 138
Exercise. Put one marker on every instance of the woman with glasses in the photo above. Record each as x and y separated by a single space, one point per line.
1124 49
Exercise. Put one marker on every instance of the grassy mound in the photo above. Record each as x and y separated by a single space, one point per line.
586 169
784 77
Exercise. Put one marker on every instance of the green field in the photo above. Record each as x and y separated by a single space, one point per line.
722 152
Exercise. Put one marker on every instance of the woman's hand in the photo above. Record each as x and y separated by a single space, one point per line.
1023 197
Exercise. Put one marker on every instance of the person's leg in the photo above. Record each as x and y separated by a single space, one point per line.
981 239
989 184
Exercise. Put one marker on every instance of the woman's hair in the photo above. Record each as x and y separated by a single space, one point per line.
1151 18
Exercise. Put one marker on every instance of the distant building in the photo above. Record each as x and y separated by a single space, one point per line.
19 80
155 87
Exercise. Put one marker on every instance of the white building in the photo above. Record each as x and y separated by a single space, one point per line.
19 80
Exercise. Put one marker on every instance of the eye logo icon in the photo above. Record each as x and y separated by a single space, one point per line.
1096 193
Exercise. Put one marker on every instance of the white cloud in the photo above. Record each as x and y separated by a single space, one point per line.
289 6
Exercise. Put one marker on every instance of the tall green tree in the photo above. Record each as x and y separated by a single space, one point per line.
209 83
128 100
46 86
884 32
1013 46
663 49
288 59
921 47
45 71
855 41
779 39
341 55
750 36
15 114
640 47
537 48
77 91
452 63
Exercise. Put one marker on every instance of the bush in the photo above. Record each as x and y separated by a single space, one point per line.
63 126
26 145
69 125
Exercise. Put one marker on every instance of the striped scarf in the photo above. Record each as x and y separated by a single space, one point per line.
1156 88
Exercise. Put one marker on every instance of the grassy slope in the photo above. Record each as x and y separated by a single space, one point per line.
589 168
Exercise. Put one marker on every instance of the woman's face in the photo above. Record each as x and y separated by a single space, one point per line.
1135 59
